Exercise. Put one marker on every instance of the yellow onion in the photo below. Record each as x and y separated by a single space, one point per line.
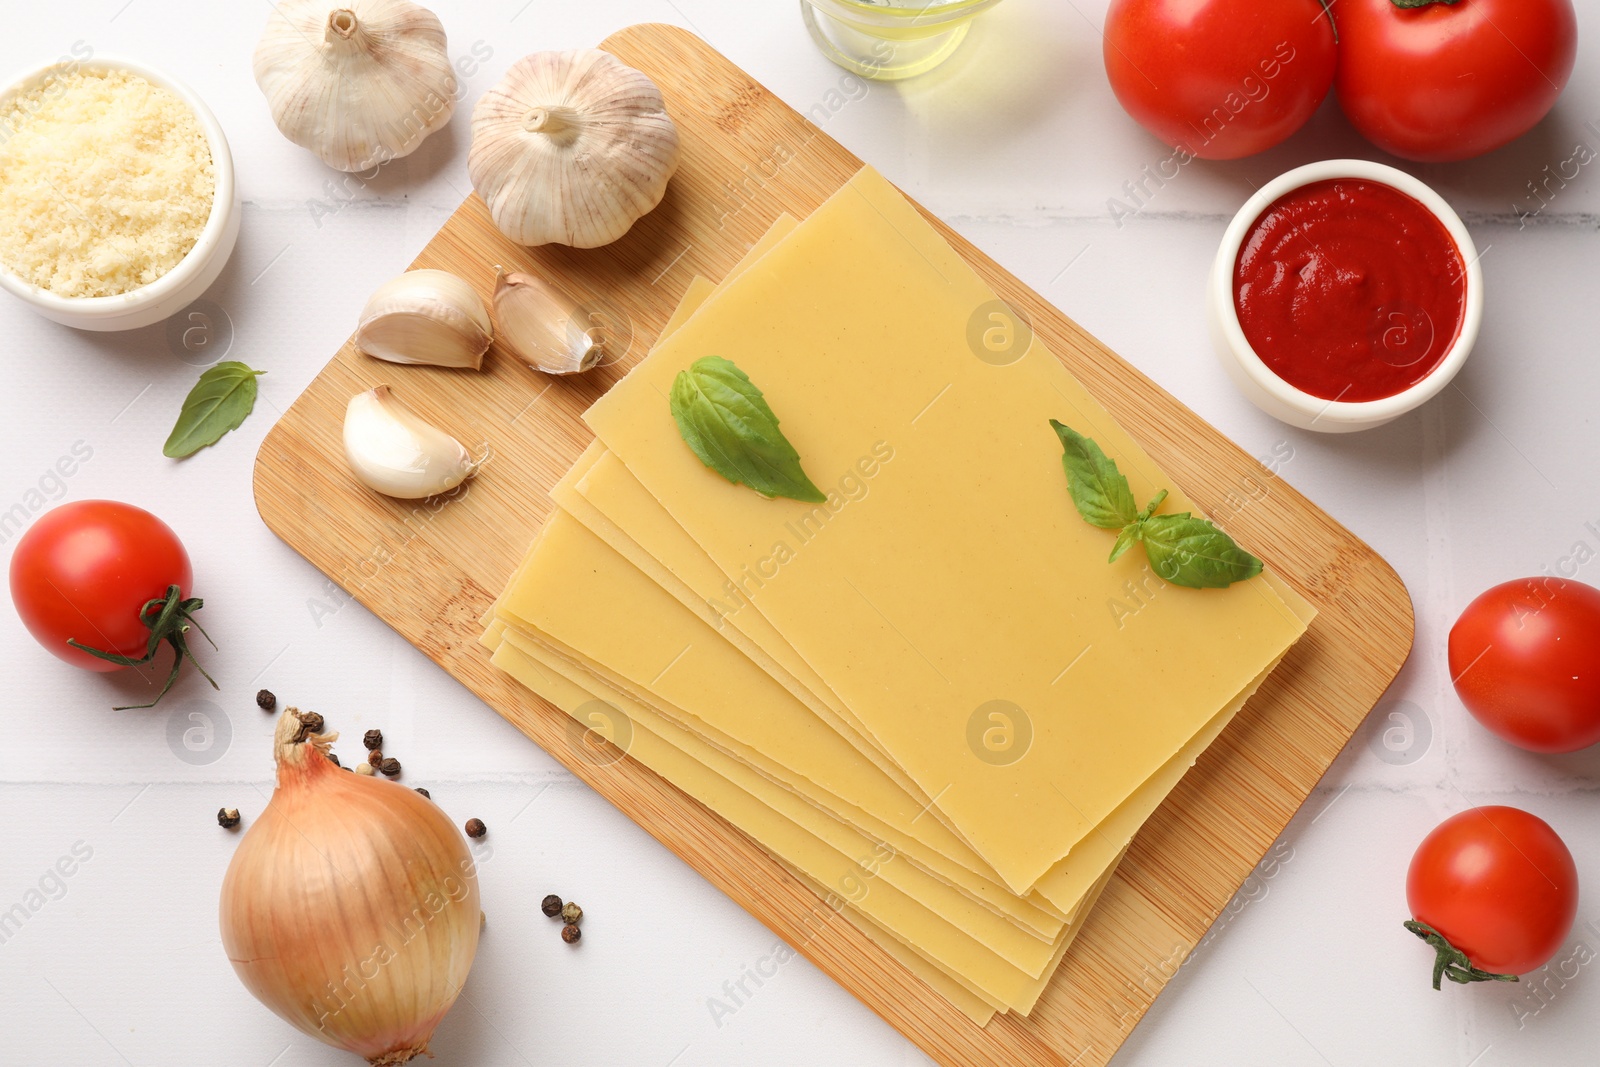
351 906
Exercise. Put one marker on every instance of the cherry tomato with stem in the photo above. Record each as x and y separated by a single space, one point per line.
102 585
1494 892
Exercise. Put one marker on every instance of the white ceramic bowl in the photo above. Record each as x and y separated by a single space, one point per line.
1274 395
193 275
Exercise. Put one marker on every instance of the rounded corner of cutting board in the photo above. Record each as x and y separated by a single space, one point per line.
629 34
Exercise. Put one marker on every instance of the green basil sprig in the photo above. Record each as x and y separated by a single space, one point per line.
725 420
1182 549
219 402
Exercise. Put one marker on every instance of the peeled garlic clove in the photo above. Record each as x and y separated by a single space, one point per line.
540 327
358 82
426 316
397 453
571 148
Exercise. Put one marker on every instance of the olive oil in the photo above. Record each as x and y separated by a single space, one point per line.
890 39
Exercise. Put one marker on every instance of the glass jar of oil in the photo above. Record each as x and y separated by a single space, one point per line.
890 39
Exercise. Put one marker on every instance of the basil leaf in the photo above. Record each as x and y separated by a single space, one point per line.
725 420
1192 552
1098 488
1182 549
219 402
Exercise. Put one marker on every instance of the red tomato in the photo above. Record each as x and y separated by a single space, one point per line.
1450 81
1498 884
1525 657
1219 79
84 571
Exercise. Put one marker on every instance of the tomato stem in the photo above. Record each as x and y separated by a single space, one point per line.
1450 962
168 619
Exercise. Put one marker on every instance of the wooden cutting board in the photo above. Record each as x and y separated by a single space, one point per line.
431 569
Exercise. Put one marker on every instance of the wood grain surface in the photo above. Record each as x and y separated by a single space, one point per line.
430 569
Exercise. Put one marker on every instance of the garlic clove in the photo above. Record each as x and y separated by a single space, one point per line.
358 82
394 451
571 148
541 327
426 316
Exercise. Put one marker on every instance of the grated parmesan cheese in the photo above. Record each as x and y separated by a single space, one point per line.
106 182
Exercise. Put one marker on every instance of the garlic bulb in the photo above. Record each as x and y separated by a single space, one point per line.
426 316
351 906
396 452
540 327
358 82
571 148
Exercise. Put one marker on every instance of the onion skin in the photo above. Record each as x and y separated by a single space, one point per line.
351 906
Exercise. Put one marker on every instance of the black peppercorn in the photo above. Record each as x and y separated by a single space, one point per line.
424 792
570 933
475 828
373 739
551 905
389 767
265 700
334 760
311 722
227 818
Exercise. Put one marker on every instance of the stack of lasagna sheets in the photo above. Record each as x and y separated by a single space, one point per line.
931 697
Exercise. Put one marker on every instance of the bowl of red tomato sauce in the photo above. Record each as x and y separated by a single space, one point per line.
1345 294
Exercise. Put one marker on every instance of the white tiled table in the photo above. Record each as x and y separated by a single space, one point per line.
1019 144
